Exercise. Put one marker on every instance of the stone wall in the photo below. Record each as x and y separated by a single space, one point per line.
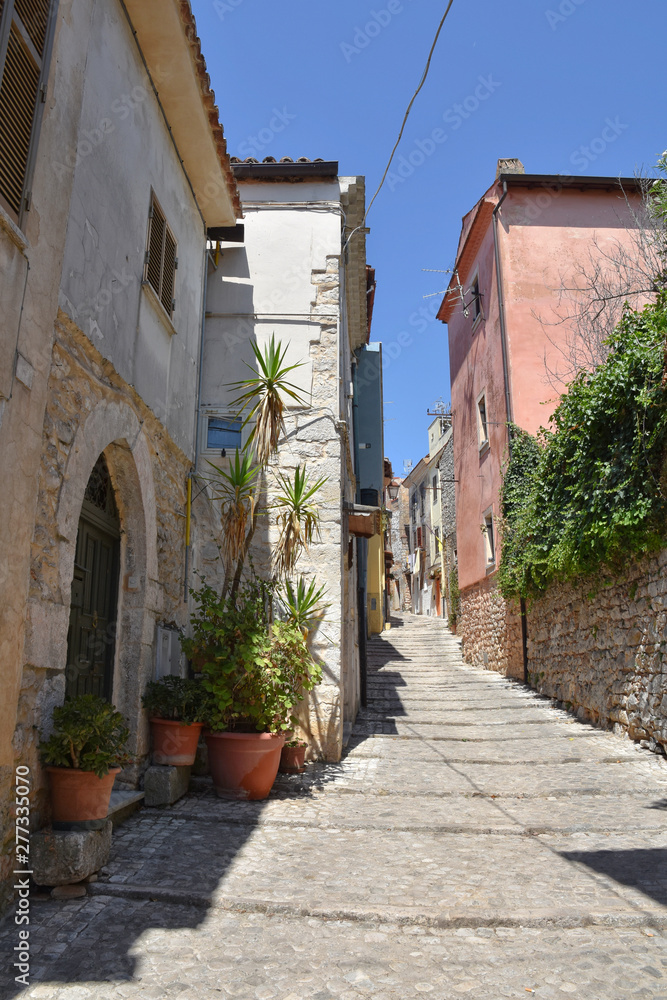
600 648
490 630
90 410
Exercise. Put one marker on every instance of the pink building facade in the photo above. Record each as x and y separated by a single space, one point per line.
523 241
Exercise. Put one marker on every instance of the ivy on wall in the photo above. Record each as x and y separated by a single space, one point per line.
592 490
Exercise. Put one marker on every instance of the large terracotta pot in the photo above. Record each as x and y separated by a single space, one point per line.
77 796
244 765
174 743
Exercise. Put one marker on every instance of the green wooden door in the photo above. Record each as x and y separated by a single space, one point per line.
92 628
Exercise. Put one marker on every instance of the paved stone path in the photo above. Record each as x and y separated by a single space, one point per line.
474 842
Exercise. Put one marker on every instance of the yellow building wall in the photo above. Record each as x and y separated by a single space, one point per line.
375 585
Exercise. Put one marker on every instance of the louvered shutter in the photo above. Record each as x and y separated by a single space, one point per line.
161 258
24 33
168 271
155 247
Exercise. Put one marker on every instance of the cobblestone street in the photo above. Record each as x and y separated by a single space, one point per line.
473 842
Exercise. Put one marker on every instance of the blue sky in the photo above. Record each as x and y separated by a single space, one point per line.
541 80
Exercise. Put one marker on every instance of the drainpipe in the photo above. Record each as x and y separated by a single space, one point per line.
193 471
508 399
361 547
501 313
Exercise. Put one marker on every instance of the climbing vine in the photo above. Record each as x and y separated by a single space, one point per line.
592 490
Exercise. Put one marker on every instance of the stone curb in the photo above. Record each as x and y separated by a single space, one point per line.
565 920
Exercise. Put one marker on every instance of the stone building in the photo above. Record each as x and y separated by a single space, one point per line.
298 272
105 200
398 505
448 553
527 237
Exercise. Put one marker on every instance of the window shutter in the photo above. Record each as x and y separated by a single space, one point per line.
19 93
167 292
155 247
161 258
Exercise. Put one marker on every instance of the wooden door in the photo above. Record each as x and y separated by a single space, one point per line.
92 630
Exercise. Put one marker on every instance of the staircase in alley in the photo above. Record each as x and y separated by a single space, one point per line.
473 842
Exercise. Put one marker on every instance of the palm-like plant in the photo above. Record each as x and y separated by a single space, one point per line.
298 517
303 604
266 393
235 489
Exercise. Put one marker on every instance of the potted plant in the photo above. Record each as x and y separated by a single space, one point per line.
176 709
255 669
293 757
85 751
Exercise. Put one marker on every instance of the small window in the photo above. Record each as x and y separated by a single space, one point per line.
482 425
26 30
489 540
434 489
475 303
161 260
223 433
422 499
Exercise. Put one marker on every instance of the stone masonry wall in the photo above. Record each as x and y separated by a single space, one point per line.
490 630
85 397
600 648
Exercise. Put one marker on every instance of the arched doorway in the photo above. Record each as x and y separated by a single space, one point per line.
91 639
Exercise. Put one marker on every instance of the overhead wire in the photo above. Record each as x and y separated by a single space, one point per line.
404 123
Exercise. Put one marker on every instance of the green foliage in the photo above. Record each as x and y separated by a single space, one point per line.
590 493
304 604
298 516
177 698
88 734
255 669
454 597
265 393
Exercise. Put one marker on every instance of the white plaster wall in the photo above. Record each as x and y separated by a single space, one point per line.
265 287
285 280
124 150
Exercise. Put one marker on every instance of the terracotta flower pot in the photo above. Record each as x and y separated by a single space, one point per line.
77 796
244 765
293 759
174 743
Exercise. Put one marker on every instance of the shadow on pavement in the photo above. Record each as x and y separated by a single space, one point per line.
168 865
643 869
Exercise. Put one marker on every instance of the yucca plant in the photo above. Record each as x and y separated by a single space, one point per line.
304 605
298 516
236 490
265 393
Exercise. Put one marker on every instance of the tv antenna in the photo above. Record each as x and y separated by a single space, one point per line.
457 290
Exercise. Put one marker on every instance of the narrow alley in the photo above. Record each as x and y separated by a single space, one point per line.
474 841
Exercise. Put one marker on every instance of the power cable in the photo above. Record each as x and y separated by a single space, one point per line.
404 123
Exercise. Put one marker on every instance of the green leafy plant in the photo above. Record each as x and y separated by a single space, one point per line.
592 490
181 699
298 517
304 604
88 734
255 668
265 393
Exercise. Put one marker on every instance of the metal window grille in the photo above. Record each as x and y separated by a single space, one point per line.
26 31
161 260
